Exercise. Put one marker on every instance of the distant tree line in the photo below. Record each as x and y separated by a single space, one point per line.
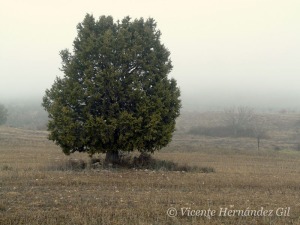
237 122
3 114
27 115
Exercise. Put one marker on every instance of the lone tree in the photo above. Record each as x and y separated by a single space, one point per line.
3 114
243 121
115 94
239 120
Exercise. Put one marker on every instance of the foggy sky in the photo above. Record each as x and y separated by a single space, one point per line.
233 52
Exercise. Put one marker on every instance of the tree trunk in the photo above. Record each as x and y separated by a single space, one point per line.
112 157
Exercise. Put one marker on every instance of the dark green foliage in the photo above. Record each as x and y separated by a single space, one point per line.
3 114
115 94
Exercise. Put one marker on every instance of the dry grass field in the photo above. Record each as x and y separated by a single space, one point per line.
247 187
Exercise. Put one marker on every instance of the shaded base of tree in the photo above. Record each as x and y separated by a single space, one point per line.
112 157
142 162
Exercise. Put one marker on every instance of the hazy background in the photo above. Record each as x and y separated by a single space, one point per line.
233 52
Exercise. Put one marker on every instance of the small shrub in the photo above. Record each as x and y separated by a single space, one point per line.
144 160
95 160
164 165
76 164
96 163
277 148
206 170
2 208
6 168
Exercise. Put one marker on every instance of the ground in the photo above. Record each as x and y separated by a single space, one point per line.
34 189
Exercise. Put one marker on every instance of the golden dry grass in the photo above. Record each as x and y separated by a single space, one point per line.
33 192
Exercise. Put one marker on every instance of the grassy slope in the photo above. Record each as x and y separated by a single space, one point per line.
31 193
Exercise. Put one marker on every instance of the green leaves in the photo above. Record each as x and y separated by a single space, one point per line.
115 93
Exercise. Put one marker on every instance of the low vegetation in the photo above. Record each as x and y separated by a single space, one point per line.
222 131
142 162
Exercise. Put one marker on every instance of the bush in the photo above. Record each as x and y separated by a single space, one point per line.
6 168
206 170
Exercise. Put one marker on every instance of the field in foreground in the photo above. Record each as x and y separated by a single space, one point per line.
33 190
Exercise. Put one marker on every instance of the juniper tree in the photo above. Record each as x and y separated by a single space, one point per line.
115 94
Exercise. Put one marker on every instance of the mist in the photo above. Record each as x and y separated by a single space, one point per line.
223 52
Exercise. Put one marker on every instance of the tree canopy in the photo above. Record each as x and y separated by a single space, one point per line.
115 94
